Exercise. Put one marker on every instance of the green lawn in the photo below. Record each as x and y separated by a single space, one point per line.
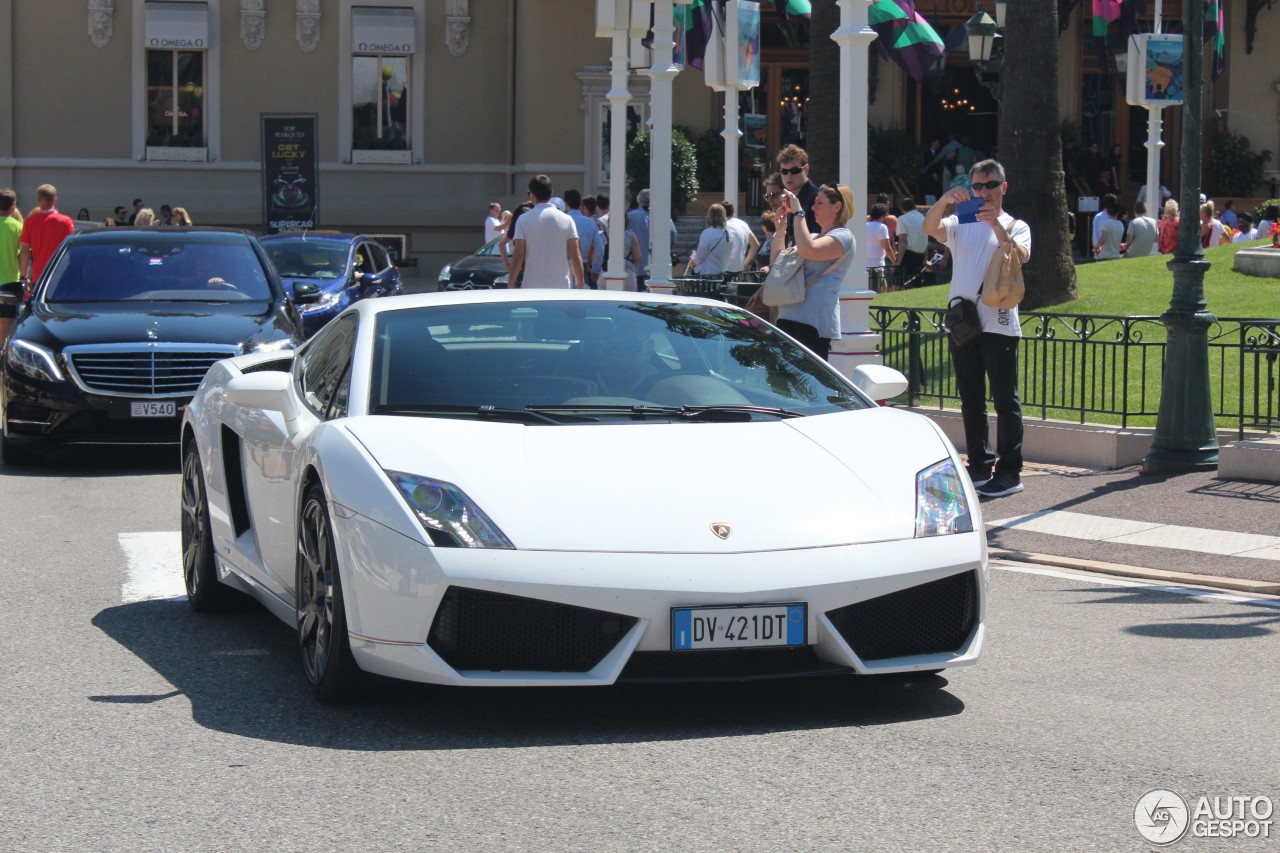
1055 369
1139 286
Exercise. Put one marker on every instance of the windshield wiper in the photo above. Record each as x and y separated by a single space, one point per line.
486 412
733 409
639 411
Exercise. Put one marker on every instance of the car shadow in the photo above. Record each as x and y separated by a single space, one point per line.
1237 620
239 671
100 461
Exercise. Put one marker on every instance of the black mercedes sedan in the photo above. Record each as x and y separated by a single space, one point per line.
122 326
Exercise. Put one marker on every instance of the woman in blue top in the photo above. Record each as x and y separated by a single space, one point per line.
815 322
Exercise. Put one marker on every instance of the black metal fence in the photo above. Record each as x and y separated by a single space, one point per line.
1094 367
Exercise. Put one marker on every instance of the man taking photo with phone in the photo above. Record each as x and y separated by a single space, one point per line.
993 355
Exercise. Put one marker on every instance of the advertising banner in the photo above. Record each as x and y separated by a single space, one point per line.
290 172
1155 70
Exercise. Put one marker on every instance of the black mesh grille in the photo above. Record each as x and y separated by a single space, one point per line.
170 373
726 665
932 618
478 630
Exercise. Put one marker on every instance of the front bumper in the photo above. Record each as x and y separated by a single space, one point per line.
584 618
39 413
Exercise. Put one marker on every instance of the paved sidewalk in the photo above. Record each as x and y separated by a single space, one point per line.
1188 528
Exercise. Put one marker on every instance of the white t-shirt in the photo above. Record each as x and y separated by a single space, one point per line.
492 228
739 244
546 233
1110 239
911 227
1245 236
1098 222
1215 232
712 254
972 246
876 231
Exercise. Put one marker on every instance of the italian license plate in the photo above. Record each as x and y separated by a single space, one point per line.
152 408
733 627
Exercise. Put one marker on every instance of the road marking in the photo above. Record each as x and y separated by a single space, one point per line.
1106 580
1097 528
154 566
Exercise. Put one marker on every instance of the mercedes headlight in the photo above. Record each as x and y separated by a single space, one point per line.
324 303
941 506
451 519
34 360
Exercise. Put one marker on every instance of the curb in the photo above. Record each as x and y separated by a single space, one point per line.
1234 584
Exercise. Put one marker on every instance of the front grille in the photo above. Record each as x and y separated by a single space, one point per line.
931 618
478 630
143 371
727 665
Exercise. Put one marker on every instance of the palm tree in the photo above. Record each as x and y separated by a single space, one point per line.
1031 149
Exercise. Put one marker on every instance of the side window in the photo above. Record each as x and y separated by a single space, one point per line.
323 375
377 257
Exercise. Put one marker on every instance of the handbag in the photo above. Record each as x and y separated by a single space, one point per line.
962 320
785 284
1003 286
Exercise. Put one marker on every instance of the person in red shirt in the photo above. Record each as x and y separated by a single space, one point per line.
42 233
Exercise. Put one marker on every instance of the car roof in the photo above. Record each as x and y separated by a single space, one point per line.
521 294
128 233
315 236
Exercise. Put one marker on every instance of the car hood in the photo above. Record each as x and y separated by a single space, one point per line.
171 322
800 483
479 267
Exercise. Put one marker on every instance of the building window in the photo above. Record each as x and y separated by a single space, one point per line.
175 98
383 41
177 86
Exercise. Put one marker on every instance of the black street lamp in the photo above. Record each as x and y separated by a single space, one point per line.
984 39
1186 438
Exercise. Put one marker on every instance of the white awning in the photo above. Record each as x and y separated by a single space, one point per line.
382 30
177 26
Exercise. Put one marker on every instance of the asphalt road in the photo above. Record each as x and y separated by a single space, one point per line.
143 726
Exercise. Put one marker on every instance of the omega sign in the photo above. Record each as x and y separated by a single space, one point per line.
175 42
383 47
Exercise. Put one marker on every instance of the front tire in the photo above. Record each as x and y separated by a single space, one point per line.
199 571
321 615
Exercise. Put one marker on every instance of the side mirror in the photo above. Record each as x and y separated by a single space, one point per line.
878 382
305 293
11 293
270 390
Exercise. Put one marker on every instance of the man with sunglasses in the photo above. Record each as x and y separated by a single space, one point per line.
993 355
793 165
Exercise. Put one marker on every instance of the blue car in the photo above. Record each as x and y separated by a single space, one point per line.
346 268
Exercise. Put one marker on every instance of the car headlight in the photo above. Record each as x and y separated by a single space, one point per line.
941 506
324 303
446 271
270 346
451 519
34 360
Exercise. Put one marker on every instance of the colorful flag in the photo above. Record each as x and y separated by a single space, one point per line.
699 25
1104 12
905 36
1215 33
788 9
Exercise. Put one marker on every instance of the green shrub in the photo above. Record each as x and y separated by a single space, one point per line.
1232 168
684 168
1260 212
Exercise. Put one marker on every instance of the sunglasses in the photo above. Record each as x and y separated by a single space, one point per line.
792 171
772 195
987 185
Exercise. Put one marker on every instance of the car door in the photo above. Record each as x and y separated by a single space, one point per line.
388 275
321 378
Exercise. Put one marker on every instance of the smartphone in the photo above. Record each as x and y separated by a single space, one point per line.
967 211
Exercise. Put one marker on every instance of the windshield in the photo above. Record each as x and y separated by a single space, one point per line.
153 268
490 249
307 258
600 360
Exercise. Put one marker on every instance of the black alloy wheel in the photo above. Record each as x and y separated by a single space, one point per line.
321 615
199 572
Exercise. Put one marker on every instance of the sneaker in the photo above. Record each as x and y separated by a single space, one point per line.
979 478
1000 485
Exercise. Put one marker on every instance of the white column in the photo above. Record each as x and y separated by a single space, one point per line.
731 133
663 73
1154 143
857 344
615 277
